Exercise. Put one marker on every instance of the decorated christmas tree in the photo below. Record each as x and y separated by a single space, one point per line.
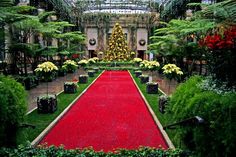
118 48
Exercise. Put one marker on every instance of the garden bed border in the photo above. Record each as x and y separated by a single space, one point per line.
163 132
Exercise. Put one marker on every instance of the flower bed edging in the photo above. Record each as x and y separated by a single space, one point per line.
159 125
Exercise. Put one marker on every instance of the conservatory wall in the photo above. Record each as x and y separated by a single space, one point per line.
98 37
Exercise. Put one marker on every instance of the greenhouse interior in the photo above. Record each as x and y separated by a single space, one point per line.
117 78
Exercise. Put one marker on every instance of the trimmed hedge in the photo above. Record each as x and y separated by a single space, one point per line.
13 107
25 151
217 136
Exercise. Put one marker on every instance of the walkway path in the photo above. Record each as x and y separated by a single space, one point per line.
54 87
111 114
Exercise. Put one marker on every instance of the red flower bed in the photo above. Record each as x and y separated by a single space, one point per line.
218 41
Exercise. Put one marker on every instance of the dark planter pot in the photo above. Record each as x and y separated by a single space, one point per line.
29 83
47 105
152 88
138 73
144 79
83 79
96 70
91 73
162 104
70 88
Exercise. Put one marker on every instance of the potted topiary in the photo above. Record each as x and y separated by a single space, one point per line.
152 88
83 79
46 103
83 63
70 87
144 78
138 73
171 71
70 66
91 73
144 65
91 61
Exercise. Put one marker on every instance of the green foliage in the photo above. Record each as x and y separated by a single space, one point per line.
218 111
12 109
72 36
6 3
11 14
175 9
89 152
223 12
63 8
43 17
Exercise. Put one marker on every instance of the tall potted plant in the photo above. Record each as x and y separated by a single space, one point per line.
70 66
82 63
171 71
46 103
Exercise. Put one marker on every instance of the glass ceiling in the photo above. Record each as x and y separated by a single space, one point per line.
115 6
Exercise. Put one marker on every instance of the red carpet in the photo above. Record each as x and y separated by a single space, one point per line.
110 115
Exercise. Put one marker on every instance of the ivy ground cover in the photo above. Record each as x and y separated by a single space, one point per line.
110 115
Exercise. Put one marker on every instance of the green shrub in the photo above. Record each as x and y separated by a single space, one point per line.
12 109
217 136
26 151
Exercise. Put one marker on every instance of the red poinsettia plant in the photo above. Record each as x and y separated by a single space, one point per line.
218 41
